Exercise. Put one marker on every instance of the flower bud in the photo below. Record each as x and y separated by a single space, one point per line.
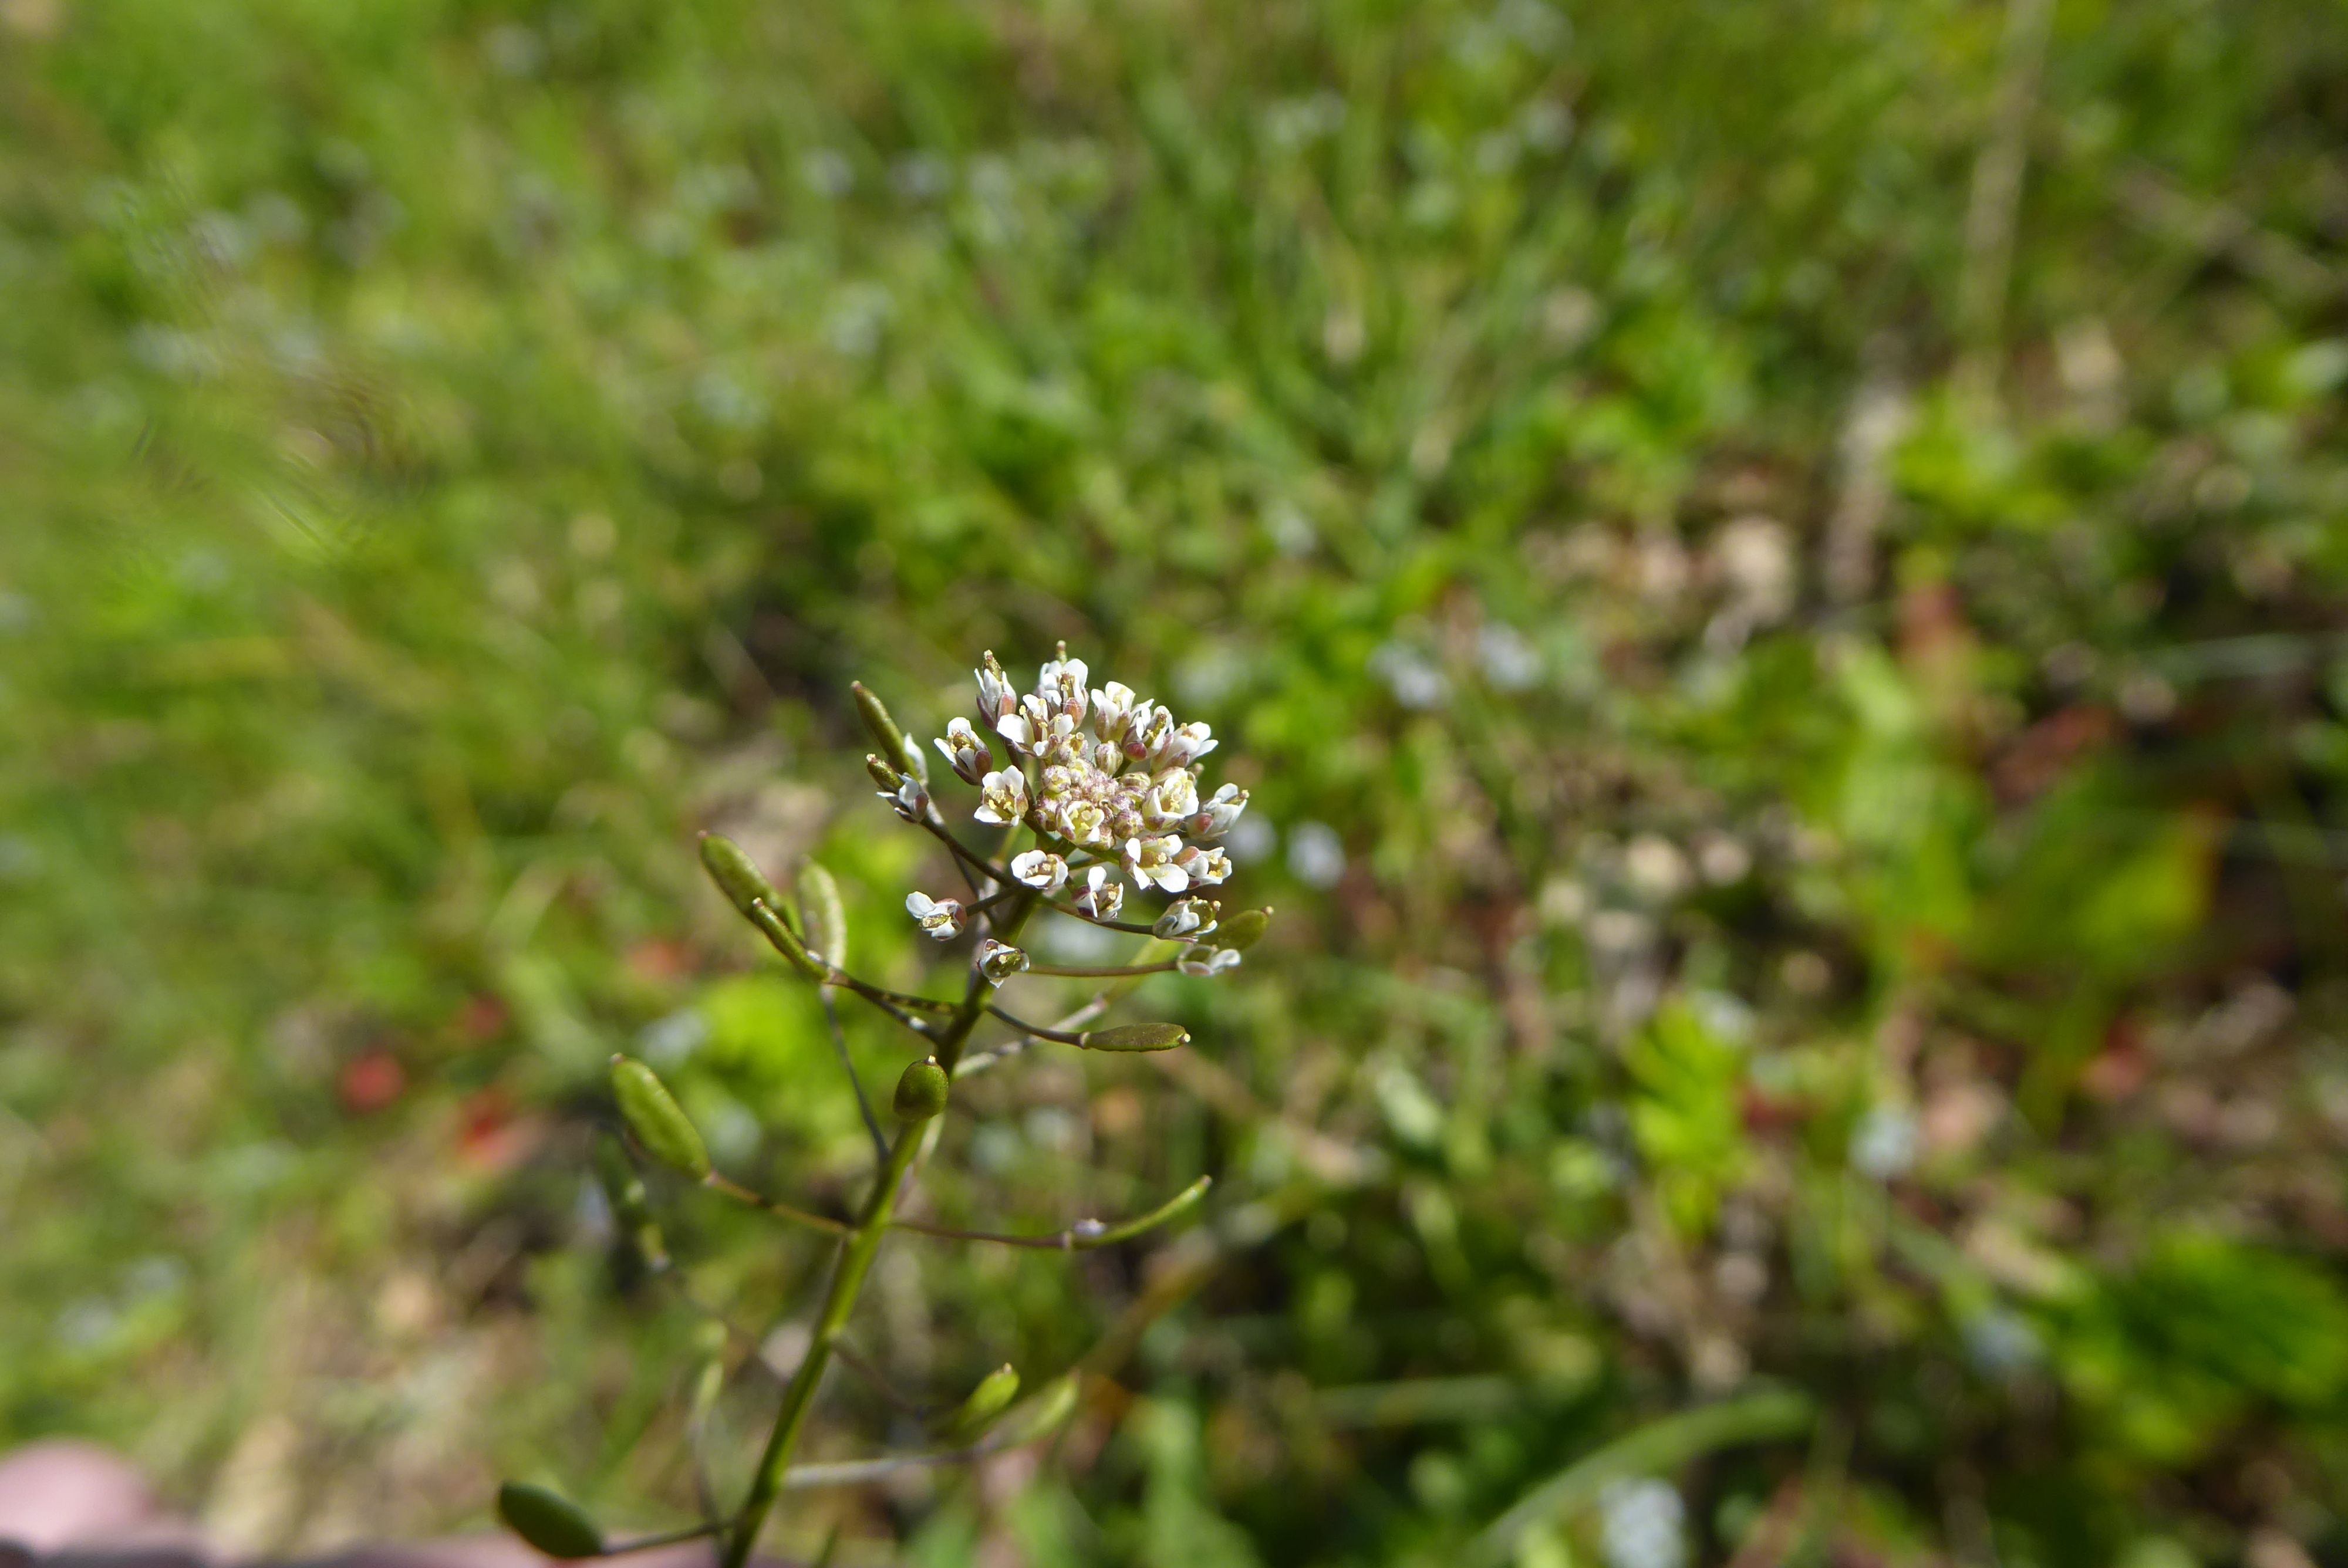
901 752
1243 931
986 1402
921 1092
736 875
826 920
659 1123
549 1521
1136 1037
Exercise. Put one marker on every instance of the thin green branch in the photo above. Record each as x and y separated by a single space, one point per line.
1085 1235
1061 1036
1101 971
839 1049
742 1194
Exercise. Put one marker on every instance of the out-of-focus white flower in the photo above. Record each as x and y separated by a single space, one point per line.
1316 854
1643 1524
1204 962
965 751
1099 897
1186 918
941 917
1004 798
998 961
1040 870
1150 863
1886 1142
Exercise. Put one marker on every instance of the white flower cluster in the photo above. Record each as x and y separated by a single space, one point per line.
1115 781
1108 783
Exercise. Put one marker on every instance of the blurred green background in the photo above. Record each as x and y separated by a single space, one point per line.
1776 571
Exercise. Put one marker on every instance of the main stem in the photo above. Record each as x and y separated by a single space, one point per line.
847 1274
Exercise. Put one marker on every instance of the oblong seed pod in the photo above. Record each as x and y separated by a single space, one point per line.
824 918
1136 1037
901 752
921 1092
1045 1414
656 1119
969 1420
1241 931
549 1521
736 875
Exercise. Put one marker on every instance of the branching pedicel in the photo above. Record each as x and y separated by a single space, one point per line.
1104 789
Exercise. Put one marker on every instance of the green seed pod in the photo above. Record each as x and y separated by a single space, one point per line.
549 1521
786 941
886 777
1136 1037
659 1123
825 918
735 873
901 752
921 1092
992 1396
1045 1414
1242 930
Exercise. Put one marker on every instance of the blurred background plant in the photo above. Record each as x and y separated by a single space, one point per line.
1776 573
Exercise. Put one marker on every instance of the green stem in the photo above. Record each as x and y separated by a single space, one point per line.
847 1274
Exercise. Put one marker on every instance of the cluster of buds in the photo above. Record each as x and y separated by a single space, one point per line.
1108 785
1114 780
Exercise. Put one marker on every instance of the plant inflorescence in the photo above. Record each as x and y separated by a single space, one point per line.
1096 791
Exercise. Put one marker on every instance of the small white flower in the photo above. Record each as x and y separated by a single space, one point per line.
1018 733
996 696
1205 868
911 799
1040 870
1204 962
1150 863
1186 918
1112 712
998 961
964 751
1099 897
1182 747
1062 686
941 917
1217 816
1005 797
1170 800
1085 824
1147 731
